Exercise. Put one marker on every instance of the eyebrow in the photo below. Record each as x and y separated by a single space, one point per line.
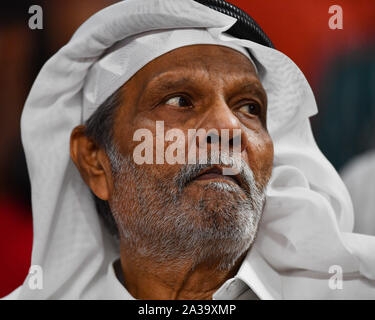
255 88
162 84
171 84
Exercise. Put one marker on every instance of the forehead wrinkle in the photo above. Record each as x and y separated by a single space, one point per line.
176 78
190 76
209 61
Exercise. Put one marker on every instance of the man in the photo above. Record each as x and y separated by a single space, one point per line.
191 219
276 227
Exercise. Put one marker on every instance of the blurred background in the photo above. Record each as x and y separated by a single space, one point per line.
339 65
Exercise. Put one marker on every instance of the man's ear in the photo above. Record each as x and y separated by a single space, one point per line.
92 163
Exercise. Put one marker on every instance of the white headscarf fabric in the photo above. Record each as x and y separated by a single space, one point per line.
359 177
128 56
308 219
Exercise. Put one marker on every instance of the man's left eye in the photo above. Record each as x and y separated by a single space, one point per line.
179 101
252 108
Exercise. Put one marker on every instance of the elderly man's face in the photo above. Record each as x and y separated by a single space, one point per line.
164 211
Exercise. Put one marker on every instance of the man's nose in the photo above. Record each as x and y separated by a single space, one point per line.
223 127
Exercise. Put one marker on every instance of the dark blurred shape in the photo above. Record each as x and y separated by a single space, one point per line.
15 11
15 223
346 97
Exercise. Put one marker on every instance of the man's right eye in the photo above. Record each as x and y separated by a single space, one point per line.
179 101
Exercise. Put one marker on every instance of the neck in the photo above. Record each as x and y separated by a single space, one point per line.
146 280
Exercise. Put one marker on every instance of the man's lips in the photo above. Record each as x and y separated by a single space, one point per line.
216 173
210 176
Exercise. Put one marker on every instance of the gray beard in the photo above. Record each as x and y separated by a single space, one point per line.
157 221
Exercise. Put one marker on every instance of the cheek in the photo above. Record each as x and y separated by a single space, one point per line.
156 167
260 155
126 130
